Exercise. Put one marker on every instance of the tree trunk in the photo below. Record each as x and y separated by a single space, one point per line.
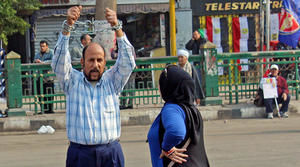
101 5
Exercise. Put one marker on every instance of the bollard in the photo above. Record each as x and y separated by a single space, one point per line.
14 84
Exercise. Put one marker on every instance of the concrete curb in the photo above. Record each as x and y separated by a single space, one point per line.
141 116
32 123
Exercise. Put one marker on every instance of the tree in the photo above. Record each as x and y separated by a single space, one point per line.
11 21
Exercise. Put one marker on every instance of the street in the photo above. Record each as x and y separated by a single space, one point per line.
231 143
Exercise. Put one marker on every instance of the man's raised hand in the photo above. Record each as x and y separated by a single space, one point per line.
111 17
73 14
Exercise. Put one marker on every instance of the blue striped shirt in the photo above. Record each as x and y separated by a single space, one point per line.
92 113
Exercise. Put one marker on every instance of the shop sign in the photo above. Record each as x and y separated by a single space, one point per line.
219 7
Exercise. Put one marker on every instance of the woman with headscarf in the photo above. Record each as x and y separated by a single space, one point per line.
183 62
176 136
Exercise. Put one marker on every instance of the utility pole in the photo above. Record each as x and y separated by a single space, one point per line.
262 24
268 13
101 5
104 35
262 32
172 27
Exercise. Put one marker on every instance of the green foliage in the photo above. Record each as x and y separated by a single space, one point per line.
10 20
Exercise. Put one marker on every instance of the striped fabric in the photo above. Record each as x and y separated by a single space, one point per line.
243 30
217 33
92 113
2 81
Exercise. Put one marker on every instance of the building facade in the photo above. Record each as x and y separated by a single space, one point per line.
145 22
234 26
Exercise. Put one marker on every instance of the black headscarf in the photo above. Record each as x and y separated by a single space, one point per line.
177 86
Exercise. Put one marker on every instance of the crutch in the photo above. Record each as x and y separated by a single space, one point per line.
277 107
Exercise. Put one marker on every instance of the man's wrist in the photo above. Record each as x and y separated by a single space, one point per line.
66 33
118 26
66 28
118 29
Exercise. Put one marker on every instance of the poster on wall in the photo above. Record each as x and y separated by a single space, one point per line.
210 64
274 27
244 67
162 30
220 69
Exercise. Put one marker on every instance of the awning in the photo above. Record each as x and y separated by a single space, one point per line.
143 8
122 9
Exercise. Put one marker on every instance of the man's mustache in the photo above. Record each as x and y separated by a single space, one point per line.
94 70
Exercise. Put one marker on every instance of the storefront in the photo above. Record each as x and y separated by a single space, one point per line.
144 22
234 26
145 31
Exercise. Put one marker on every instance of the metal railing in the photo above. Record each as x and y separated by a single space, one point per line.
238 78
143 91
240 73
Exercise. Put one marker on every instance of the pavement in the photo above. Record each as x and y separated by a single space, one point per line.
144 115
231 143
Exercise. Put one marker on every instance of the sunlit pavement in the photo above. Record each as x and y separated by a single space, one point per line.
231 143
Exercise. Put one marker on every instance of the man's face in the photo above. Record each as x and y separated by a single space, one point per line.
274 72
86 40
43 47
196 35
182 60
93 63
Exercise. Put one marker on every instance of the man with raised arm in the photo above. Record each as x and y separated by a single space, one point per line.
92 113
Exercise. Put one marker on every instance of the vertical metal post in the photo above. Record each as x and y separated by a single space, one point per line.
42 93
262 24
236 81
172 27
268 13
36 99
262 32
27 44
230 83
297 76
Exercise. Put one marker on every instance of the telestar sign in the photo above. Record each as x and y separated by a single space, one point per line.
219 7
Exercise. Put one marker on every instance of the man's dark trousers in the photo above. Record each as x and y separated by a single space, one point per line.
102 155
270 102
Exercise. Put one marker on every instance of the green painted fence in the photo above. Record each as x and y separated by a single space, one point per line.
236 80
240 73
144 92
